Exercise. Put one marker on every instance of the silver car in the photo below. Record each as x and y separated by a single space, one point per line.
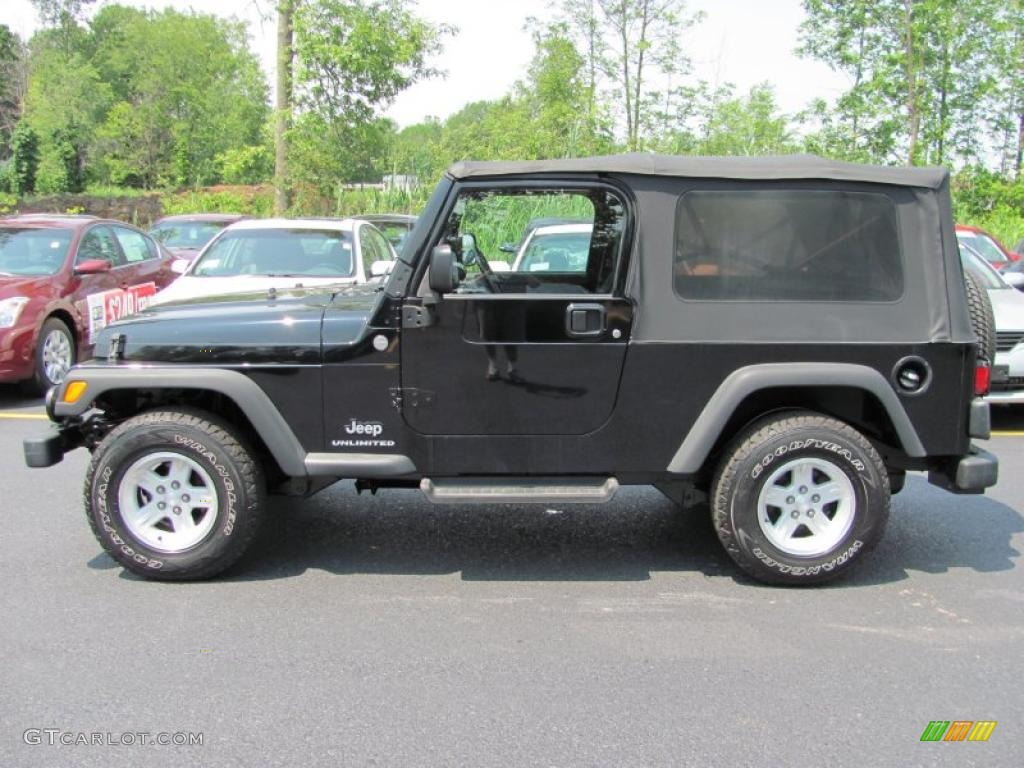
1008 308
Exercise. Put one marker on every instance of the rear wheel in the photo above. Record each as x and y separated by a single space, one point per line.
174 495
799 498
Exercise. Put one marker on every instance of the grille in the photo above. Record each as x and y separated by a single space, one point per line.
1007 340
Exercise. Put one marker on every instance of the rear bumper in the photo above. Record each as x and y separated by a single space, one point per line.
972 473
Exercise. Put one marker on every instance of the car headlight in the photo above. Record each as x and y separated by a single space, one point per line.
10 309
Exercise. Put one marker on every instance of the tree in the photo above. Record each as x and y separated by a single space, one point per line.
646 45
185 89
24 159
352 58
283 101
12 85
922 72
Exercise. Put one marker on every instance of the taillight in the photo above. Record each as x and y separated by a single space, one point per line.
982 379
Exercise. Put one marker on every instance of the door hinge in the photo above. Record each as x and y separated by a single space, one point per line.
410 397
415 316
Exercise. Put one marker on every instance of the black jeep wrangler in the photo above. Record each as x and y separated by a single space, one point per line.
785 337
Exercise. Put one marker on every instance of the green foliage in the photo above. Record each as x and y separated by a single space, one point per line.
190 91
990 201
12 68
497 220
7 202
353 57
252 201
246 165
24 165
924 73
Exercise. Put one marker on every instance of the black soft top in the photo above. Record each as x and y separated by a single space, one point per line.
779 167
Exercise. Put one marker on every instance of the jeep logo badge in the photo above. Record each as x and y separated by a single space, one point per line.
373 428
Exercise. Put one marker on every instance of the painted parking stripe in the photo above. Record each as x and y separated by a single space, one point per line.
1008 433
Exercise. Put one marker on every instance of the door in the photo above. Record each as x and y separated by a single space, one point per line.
89 290
533 341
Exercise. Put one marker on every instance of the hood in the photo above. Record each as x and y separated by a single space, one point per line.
237 329
183 253
26 286
1008 308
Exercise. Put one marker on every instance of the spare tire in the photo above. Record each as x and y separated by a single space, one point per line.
983 321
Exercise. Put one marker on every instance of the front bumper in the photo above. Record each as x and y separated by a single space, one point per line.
45 451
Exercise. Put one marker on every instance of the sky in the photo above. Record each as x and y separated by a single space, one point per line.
740 41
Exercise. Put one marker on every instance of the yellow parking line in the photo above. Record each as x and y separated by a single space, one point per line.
1008 433
16 415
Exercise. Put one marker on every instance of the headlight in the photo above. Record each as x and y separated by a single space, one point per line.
10 309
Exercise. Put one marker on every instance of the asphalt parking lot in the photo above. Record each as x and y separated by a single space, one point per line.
387 631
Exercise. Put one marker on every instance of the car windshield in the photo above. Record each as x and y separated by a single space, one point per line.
32 251
567 252
395 232
983 245
278 253
186 234
980 268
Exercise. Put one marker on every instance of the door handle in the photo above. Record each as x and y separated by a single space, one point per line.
584 320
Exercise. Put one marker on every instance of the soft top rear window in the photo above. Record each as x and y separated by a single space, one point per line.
785 244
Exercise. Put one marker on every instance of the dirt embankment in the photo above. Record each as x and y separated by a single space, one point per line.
141 211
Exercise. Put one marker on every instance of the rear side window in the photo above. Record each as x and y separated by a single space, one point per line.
133 245
787 245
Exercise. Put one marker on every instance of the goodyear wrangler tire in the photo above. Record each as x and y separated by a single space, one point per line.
799 498
174 495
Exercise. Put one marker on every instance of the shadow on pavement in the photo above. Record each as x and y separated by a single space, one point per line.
1007 417
13 397
637 534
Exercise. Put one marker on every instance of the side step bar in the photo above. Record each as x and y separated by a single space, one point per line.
533 490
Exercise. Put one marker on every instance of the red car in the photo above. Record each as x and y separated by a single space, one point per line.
995 253
185 235
64 278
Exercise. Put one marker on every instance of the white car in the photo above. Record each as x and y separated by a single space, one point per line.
555 248
1008 308
259 254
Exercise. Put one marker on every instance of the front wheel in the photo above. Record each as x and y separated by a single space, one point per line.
799 498
174 495
55 354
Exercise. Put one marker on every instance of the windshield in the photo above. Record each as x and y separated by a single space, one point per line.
980 268
278 253
556 253
32 251
983 245
395 232
186 234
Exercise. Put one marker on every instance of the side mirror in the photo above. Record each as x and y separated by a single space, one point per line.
381 268
93 267
443 276
507 248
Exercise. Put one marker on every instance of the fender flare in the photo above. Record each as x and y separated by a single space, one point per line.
745 381
271 426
